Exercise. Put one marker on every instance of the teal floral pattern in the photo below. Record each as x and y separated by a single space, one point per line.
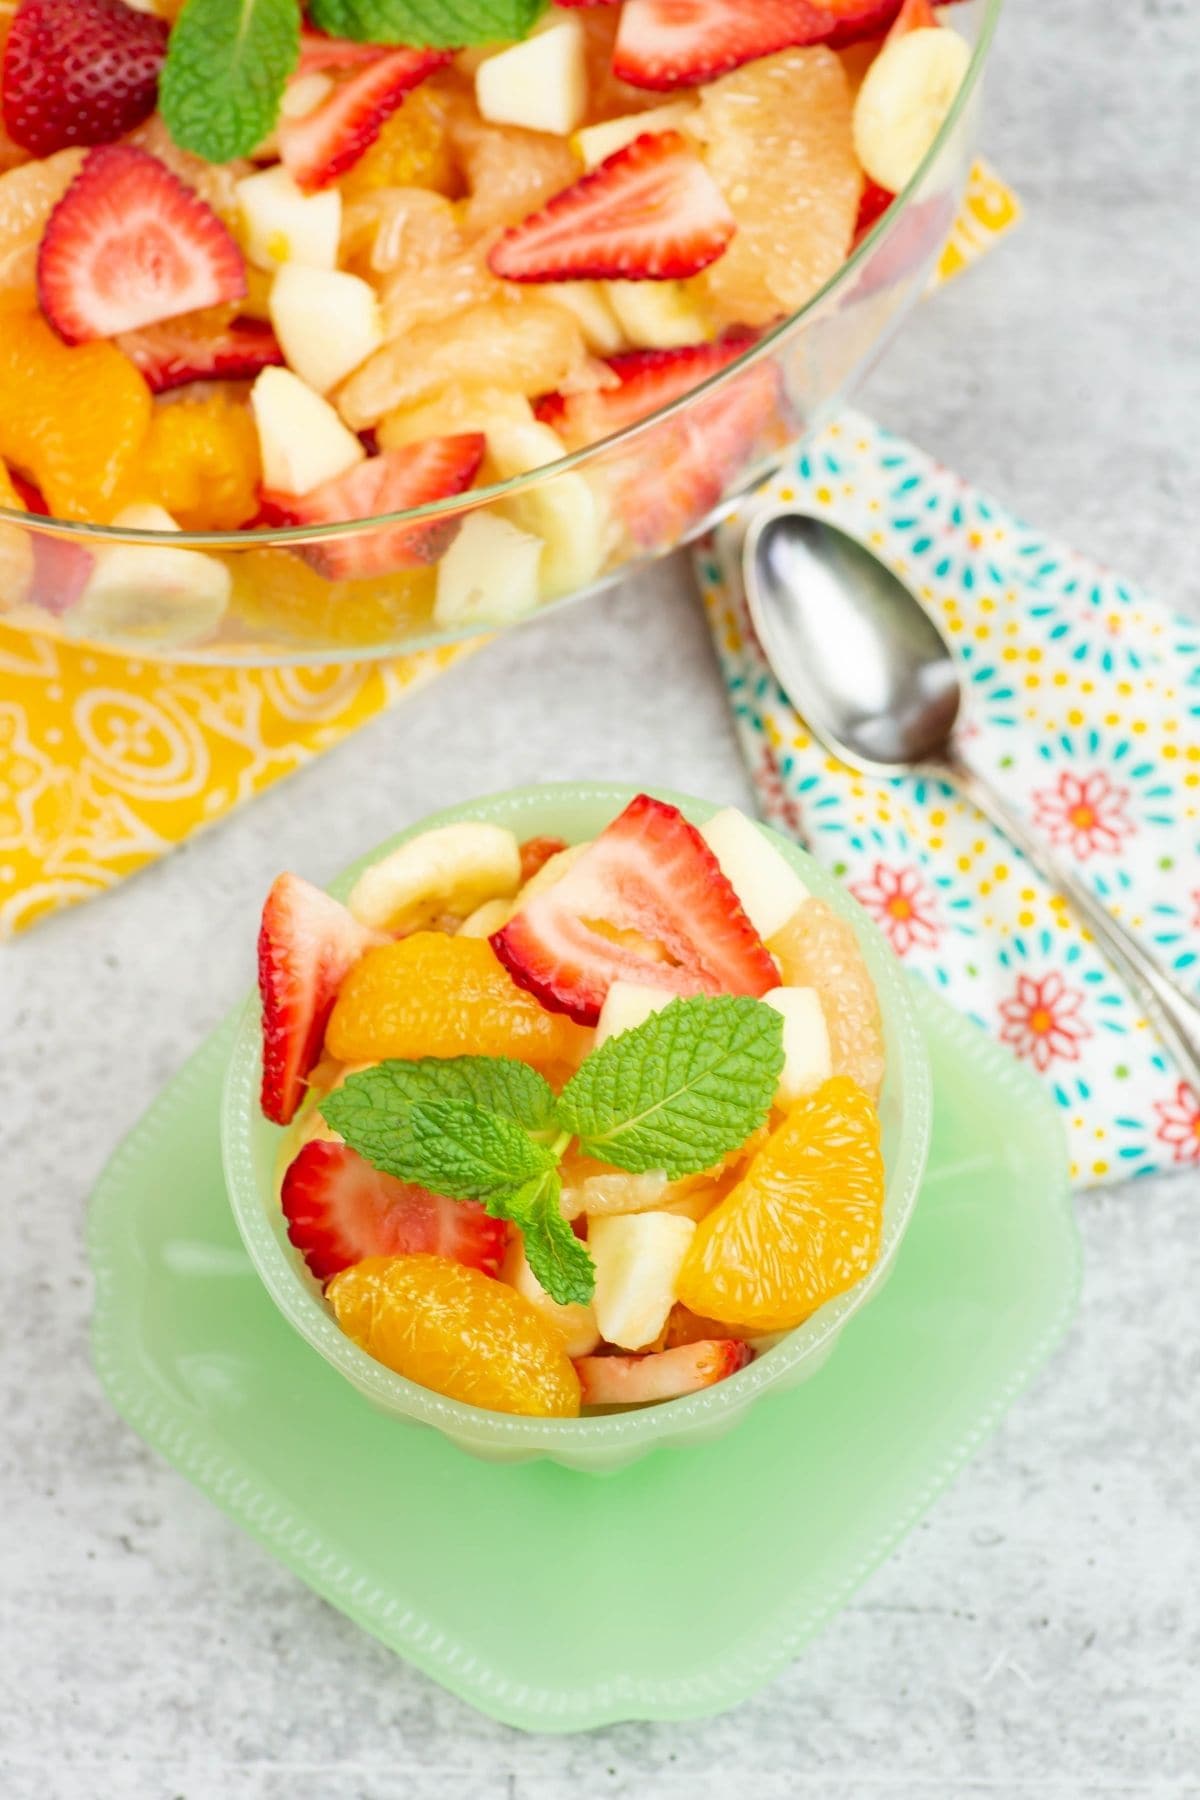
1083 706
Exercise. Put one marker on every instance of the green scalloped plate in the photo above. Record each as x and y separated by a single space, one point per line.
558 1601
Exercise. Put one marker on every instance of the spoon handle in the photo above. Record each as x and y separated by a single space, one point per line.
1172 1013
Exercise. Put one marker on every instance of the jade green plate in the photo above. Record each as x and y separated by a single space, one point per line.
557 1601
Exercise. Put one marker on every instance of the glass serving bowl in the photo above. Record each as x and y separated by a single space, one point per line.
262 604
251 1148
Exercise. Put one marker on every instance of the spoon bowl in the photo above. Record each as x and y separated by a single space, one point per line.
876 682
862 662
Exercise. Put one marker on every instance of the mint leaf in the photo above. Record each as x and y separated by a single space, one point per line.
438 24
463 1150
372 1109
227 65
460 1149
556 1256
681 1090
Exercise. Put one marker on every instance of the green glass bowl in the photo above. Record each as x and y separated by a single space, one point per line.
251 1146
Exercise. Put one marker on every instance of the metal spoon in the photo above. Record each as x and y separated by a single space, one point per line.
878 685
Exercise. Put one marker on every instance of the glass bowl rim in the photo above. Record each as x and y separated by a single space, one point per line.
759 349
638 1428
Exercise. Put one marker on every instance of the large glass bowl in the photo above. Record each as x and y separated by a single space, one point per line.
251 1148
266 605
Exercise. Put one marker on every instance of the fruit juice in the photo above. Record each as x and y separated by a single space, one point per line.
258 274
573 1127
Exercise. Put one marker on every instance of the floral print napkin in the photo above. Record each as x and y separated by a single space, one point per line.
1084 707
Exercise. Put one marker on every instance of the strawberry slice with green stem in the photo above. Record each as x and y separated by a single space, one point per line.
307 944
649 212
649 874
128 245
79 72
321 145
393 481
340 1210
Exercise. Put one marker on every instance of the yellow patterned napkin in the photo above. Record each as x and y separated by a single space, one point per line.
107 762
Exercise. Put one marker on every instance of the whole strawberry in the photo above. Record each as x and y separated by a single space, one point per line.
79 72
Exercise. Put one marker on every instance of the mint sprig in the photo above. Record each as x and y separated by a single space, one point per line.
677 1093
465 1151
373 1109
436 24
228 62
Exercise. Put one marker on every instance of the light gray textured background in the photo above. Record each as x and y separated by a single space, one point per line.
1037 1634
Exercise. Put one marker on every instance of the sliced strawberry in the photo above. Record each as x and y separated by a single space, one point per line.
413 475
322 145
680 43
661 1375
871 208
307 943
536 853
60 566
79 72
652 874
646 380
318 52
128 245
853 20
649 212
340 1210
170 356
701 457
696 454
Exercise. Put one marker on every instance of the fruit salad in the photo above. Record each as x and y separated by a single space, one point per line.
573 1126
262 268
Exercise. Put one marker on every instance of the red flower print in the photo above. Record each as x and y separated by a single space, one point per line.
1179 1124
1041 1021
1085 812
1196 904
898 900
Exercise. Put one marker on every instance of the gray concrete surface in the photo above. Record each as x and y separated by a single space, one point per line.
1037 1634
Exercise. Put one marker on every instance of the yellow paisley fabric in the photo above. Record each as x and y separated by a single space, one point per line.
107 762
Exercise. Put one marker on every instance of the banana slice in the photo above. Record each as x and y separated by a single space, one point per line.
904 100
150 593
563 511
586 299
552 870
451 869
493 915
658 315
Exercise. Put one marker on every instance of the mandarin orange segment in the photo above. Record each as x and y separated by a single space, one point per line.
778 140
276 593
818 949
201 462
72 419
412 149
457 1331
433 995
802 1225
